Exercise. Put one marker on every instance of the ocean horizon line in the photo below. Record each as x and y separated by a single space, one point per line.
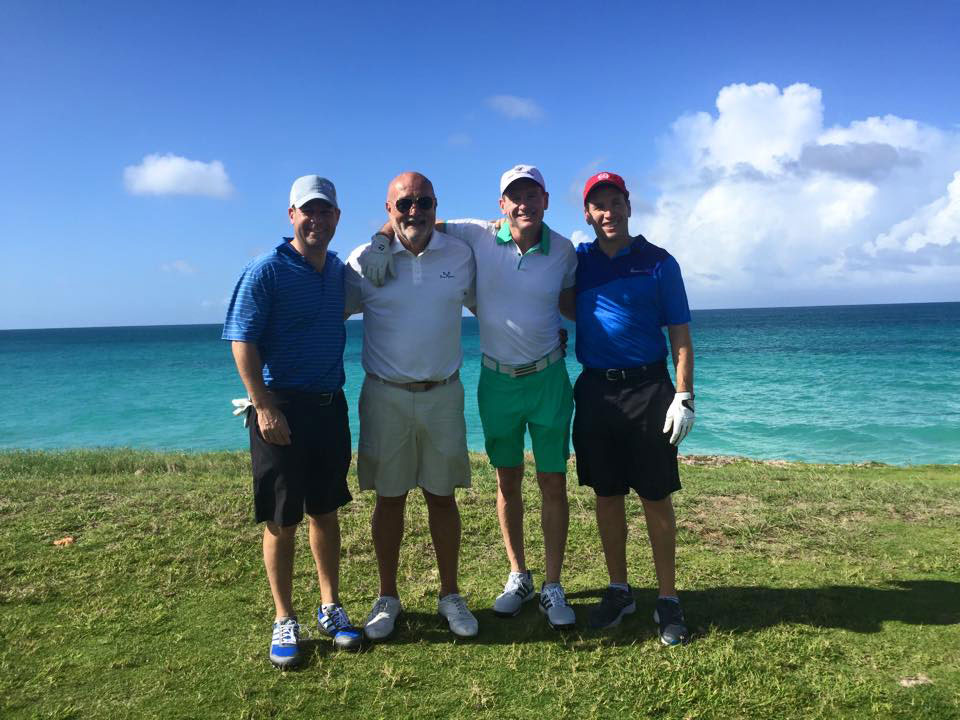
360 318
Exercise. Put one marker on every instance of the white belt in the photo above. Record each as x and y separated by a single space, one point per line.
527 368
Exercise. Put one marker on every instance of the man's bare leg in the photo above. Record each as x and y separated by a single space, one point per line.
387 527
662 529
510 514
278 546
554 519
445 531
612 526
325 545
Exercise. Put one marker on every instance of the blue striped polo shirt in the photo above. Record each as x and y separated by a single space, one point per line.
624 301
294 315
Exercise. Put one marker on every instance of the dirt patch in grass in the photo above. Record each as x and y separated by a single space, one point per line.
719 520
722 460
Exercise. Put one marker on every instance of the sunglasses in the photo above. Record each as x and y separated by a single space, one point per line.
422 203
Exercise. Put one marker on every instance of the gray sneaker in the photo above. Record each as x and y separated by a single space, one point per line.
553 604
453 608
516 592
382 618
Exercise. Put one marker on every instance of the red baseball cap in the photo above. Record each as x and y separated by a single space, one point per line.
605 178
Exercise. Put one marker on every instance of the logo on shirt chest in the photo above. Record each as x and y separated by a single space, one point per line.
447 274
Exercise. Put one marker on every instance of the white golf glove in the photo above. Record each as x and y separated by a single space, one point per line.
377 262
679 417
242 406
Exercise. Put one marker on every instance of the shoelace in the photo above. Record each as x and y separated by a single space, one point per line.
554 596
515 584
337 618
614 597
460 605
672 614
380 606
286 634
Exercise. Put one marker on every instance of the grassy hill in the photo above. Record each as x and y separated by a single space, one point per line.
812 590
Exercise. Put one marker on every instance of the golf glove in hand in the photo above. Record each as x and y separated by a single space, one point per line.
376 263
242 406
679 417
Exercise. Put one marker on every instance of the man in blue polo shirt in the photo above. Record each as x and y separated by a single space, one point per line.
629 418
285 322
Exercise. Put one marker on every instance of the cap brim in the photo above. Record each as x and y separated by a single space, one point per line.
521 177
610 183
313 196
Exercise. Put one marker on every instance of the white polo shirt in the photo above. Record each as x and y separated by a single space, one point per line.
517 293
411 325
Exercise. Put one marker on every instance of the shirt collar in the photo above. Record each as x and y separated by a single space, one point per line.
504 237
436 242
286 248
634 245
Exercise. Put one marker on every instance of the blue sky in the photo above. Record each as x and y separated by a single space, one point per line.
803 154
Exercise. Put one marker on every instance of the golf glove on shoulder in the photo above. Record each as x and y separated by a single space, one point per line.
376 262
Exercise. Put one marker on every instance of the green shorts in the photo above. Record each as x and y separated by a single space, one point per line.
542 401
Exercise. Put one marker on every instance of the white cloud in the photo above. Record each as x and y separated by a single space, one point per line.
174 175
515 108
181 267
763 205
579 236
936 224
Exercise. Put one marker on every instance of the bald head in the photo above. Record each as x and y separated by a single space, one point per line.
412 207
409 184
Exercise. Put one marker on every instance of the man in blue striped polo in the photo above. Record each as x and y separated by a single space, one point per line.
286 326
629 417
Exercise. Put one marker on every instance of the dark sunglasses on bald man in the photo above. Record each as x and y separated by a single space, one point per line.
423 203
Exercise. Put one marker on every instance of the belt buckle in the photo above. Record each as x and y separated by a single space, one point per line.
521 370
419 386
615 375
325 399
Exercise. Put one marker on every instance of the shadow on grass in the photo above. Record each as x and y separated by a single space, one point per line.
730 609
527 627
848 607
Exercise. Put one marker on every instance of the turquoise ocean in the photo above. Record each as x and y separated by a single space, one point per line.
819 384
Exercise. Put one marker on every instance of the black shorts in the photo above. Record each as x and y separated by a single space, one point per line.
309 474
618 434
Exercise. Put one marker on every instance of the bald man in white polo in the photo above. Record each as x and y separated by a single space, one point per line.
524 270
412 430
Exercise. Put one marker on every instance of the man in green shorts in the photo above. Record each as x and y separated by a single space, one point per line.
523 268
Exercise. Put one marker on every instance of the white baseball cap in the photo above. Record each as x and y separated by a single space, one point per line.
312 187
519 172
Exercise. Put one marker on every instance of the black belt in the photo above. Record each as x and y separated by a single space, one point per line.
303 396
657 369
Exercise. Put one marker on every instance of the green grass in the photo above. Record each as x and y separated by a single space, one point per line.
813 591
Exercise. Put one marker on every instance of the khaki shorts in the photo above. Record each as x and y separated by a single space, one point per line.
412 439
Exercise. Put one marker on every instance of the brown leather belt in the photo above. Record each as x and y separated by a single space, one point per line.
416 386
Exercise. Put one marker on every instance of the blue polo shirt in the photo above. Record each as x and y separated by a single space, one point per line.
294 315
624 301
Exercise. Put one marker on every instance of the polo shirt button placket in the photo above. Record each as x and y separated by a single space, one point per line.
417 271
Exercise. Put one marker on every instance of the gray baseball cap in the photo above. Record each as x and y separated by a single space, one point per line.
518 172
312 187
